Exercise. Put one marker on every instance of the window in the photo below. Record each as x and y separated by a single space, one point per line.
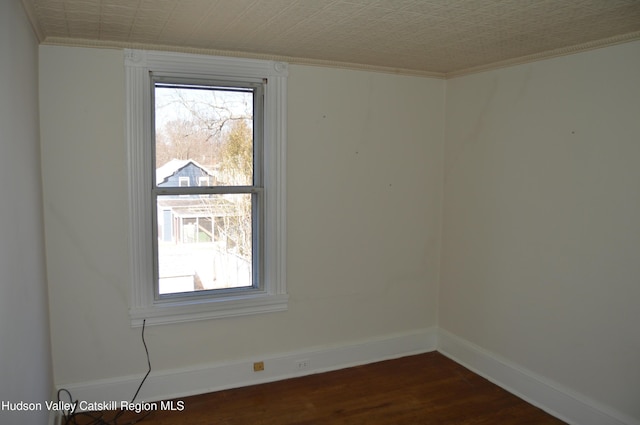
206 162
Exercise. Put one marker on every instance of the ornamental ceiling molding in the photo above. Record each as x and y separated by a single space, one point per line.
563 51
435 38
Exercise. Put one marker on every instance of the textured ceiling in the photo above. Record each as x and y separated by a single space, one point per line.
431 37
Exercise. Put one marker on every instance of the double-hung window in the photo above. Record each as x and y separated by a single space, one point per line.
206 163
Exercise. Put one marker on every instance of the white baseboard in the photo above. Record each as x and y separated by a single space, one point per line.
549 396
171 384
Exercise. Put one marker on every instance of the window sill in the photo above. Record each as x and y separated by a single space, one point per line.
192 310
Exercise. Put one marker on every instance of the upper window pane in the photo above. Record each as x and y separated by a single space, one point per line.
204 135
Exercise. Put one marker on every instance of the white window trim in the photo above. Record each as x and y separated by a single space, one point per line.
138 64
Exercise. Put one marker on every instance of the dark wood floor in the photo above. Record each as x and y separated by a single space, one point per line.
426 389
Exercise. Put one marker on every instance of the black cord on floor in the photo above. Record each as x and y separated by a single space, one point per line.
97 418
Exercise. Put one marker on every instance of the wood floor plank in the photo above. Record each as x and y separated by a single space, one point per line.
425 389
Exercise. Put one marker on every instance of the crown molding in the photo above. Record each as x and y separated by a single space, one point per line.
563 51
75 42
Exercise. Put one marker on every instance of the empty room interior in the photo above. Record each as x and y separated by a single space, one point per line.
461 177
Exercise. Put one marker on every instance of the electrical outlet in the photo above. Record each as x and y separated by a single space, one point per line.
303 364
258 366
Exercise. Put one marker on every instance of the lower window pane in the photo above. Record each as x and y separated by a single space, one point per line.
204 242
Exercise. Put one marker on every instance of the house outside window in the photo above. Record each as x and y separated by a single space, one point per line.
206 144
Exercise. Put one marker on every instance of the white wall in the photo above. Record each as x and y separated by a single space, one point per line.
541 251
364 202
25 364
